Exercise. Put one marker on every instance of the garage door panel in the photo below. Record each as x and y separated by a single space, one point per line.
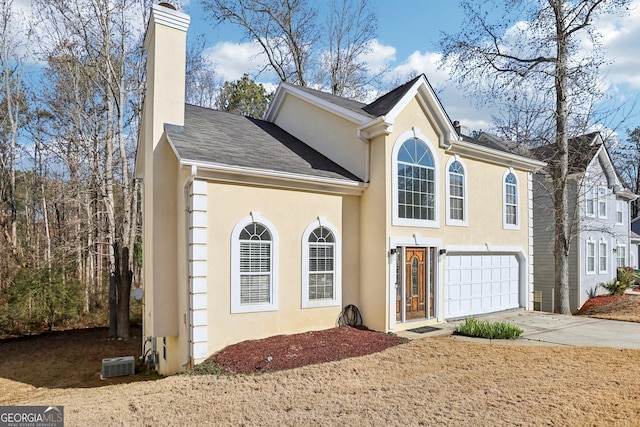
478 284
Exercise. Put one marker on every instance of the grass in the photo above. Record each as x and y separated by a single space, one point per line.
473 327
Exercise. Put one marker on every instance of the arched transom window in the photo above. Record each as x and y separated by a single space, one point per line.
456 191
416 181
510 200
255 264
321 264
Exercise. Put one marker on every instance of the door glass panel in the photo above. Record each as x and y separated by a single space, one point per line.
414 276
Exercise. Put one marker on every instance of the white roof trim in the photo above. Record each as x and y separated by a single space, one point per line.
286 88
275 178
480 152
430 101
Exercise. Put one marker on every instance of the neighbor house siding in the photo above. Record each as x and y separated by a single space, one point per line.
543 241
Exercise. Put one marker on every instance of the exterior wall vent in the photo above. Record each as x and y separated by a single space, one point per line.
537 301
117 366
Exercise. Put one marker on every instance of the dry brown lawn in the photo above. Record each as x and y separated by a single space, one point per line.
429 381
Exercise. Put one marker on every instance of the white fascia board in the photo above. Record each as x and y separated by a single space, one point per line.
285 88
239 174
432 104
494 156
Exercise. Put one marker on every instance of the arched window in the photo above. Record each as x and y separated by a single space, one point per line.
456 193
416 181
510 201
254 271
320 266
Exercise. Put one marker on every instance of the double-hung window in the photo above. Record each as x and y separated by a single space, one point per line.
590 201
602 256
619 212
591 256
602 202
621 256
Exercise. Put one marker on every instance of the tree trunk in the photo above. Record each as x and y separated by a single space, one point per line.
124 291
560 166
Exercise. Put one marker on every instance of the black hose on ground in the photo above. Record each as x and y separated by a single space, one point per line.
350 316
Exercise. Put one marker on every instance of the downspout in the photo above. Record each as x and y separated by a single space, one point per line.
187 235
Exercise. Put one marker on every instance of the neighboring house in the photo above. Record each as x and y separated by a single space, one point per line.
635 243
601 240
254 228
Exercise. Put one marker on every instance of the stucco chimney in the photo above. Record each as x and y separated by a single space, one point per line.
166 46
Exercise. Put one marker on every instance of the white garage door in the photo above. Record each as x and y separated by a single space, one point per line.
479 284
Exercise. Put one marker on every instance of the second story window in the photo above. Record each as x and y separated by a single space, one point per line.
510 192
602 202
456 193
416 181
619 212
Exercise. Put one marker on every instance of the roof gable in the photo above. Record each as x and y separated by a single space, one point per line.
211 137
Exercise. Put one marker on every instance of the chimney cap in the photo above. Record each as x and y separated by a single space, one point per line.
167 5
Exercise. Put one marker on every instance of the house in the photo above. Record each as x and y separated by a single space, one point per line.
253 228
601 232
635 243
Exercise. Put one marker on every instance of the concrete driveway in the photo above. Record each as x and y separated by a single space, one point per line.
554 329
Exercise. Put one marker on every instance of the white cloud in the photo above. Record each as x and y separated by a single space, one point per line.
232 60
620 37
379 56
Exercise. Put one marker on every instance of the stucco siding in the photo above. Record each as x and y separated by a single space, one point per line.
290 213
331 135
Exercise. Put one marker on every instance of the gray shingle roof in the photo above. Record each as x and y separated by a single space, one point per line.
347 103
386 102
218 137
582 149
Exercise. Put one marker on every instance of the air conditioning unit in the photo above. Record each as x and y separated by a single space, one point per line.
117 366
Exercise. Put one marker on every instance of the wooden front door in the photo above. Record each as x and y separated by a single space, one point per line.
415 283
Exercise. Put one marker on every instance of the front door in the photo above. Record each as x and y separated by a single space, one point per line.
415 283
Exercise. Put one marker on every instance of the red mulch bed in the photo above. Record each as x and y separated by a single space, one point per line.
598 301
292 351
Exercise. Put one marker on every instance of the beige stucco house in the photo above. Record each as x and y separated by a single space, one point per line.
255 227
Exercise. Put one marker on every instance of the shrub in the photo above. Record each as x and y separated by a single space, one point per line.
40 298
628 276
615 287
473 327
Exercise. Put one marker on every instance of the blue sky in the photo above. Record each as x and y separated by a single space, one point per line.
407 42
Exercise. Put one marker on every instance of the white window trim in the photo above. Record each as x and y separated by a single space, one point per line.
411 222
465 196
590 241
337 267
236 306
619 210
506 226
602 200
623 247
606 254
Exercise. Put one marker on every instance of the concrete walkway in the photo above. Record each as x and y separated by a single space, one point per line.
555 329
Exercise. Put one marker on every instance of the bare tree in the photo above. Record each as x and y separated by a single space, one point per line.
542 51
285 30
350 28
628 155
11 118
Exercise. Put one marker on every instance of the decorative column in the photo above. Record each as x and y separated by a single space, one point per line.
198 270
